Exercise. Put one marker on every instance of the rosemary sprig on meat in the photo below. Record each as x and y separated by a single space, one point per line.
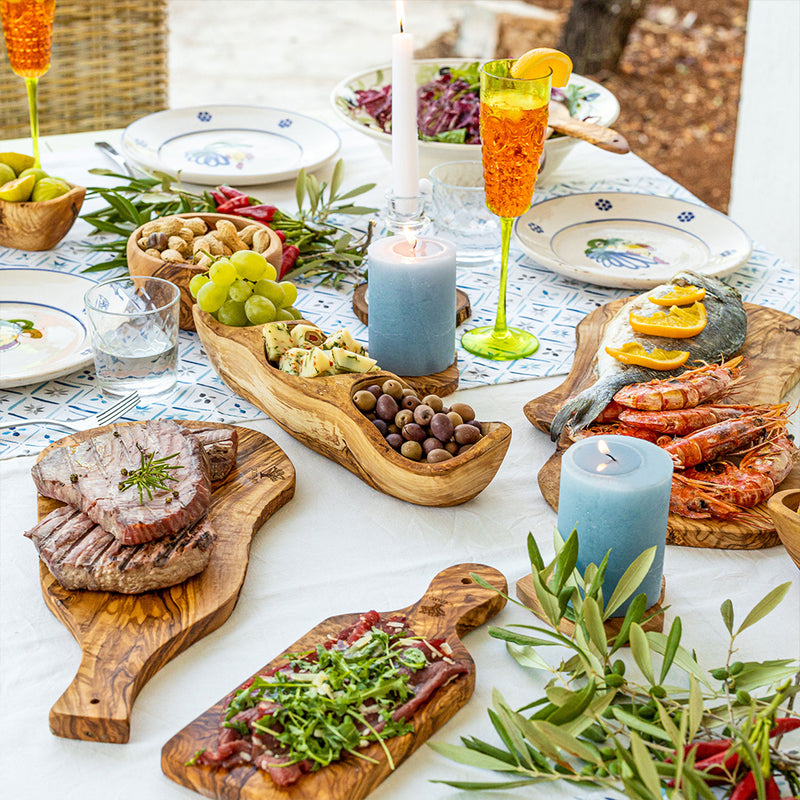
153 473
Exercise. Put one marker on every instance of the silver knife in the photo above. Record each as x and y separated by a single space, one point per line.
115 156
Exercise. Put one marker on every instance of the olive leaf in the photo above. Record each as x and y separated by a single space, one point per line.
764 606
630 580
726 610
647 770
673 642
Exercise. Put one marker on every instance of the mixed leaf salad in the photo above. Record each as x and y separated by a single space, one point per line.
448 103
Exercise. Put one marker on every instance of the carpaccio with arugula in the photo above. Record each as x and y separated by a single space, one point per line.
360 686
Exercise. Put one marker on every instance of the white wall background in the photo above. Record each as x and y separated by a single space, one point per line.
765 186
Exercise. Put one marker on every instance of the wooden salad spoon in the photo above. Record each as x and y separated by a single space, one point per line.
605 138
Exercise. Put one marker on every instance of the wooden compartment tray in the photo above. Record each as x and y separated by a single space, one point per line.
126 639
320 413
772 368
452 606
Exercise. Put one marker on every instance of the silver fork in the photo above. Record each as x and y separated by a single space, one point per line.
105 417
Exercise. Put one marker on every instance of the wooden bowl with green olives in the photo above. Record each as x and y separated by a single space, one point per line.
158 262
320 412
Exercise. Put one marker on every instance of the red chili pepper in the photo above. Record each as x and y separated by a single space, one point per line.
703 750
262 213
230 192
219 198
784 725
773 792
745 789
281 235
288 259
232 205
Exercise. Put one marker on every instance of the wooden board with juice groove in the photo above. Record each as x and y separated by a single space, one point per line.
453 605
772 368
126 639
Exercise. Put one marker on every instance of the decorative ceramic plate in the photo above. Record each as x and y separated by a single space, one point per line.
230 144
632 241
43 329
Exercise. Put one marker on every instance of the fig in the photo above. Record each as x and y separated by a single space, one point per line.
18 190
49 189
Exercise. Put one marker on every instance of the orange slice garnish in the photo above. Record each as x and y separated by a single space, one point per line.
535 62
679 296
680 322
634 353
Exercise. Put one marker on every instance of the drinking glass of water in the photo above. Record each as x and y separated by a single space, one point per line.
134 327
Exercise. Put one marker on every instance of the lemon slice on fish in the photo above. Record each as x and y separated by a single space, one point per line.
680 322
679 296
634 353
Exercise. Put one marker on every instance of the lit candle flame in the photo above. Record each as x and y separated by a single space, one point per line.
398 6
604 449
410 237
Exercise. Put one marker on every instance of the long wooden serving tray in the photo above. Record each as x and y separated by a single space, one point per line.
321 414
453 605
772 350
126 639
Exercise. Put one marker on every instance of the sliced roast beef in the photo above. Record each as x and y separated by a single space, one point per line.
81 555
90 476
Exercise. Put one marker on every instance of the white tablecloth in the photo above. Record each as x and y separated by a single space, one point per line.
338 546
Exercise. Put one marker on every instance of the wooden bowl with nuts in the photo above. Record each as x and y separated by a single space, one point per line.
40 225
178 247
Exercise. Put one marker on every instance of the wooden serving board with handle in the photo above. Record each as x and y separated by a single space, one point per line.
126 639
772 368
321 414
453 605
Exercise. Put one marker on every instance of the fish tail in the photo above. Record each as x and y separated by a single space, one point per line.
584 408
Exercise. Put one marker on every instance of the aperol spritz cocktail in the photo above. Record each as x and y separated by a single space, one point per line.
513 120
28 30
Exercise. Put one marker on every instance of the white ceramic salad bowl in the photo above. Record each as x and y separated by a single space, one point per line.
594 103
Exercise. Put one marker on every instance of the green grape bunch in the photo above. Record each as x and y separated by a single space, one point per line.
241 289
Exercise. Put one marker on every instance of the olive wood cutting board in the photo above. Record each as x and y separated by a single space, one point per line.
320 413
453 605
771 369
126 639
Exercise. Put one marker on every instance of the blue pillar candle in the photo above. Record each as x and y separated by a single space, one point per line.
412 305
615 491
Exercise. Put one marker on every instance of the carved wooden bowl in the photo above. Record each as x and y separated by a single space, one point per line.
42 225
321 414
783 508
141 263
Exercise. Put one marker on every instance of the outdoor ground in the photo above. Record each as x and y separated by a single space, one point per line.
678 87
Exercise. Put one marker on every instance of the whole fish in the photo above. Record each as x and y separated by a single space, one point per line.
722 336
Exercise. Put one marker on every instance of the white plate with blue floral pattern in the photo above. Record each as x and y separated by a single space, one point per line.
240 145
631 241
43 328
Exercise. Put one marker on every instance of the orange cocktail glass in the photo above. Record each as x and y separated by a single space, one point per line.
28 30
513 126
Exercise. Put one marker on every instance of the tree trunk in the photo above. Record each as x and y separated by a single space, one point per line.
596 32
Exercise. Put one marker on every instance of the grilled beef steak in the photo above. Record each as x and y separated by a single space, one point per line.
81 555
89 477
220 446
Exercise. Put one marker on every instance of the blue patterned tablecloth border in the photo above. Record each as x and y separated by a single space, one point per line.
538 299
